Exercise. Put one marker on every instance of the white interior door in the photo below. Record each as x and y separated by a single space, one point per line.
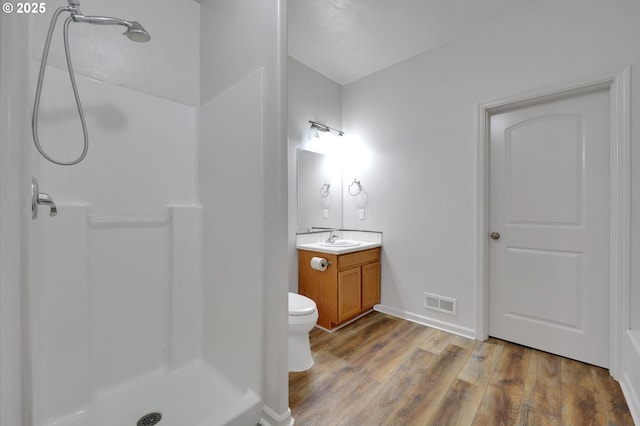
549 203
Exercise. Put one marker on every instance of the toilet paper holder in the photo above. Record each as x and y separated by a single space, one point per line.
319 263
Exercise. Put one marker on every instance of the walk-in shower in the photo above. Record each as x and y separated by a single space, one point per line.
144 300
134 31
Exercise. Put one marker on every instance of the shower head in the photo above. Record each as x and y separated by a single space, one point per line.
136 32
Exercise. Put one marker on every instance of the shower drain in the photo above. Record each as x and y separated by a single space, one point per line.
149 419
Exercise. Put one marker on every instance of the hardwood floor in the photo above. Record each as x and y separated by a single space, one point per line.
381 370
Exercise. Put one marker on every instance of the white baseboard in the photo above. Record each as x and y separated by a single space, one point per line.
271 418
630 382
424 320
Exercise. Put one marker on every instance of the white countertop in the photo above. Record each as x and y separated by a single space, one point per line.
364 245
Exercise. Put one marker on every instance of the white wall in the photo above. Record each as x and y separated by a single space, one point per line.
312 96
237 39
418 119
242 175
166 66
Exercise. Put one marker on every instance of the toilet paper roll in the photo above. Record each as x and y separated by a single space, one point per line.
319 263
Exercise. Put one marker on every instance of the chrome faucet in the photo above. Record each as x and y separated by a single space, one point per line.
332 236
41 198
46 200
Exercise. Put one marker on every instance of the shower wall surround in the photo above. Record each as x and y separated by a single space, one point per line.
142 148
242 175
120 294
112 298
127 306
165 67
233 116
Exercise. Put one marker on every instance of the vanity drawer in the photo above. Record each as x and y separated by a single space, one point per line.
358 258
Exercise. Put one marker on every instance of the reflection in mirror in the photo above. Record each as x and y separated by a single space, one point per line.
319 192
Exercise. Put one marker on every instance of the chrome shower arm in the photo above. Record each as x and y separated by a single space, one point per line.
100 20
135 31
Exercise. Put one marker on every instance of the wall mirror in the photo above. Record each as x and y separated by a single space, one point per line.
319 182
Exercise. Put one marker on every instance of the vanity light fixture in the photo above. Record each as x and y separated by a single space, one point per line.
319 127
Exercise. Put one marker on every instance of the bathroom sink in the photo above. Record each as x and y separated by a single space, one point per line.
341 243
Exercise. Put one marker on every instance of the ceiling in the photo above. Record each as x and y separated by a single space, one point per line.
346 40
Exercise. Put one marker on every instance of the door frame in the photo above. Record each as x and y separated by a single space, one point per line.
619 86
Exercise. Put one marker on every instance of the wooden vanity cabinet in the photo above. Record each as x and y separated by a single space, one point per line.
349 287
370 285
349 293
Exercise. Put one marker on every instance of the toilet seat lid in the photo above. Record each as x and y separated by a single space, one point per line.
300 305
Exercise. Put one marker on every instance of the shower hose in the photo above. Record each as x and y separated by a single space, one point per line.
36 103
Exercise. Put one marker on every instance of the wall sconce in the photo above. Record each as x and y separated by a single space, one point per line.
316 128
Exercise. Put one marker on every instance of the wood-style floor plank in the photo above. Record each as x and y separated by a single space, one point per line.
479 367
459 404
348 385
581 406
512 366
503 396
436 341
383 360
612 399
542 397
464 342
382 403
580 394
364 337
429 389
382 370
577 373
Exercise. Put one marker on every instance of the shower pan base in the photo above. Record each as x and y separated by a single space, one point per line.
193 395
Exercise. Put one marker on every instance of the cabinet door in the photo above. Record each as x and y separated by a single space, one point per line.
349 294
370 285
321 287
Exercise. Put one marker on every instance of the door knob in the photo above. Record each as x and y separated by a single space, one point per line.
495 236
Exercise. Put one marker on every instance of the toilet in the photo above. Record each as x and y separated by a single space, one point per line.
303 315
